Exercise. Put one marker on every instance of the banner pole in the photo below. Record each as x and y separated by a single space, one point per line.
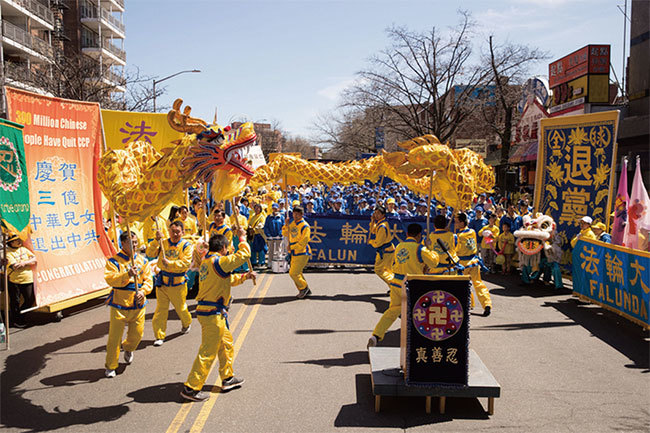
204 207
381 181
286 199
135 278
162 248
234 204
429 205
6 286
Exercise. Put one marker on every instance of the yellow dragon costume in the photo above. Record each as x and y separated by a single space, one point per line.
140 181
453 176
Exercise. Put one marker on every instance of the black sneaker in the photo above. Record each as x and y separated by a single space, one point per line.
487 311
230 383
304 293
189 394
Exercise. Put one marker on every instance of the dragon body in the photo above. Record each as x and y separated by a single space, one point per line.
453 176
140 181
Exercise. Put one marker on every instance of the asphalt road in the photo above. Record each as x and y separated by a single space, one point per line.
563 365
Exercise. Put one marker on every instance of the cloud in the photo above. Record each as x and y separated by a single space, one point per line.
333 91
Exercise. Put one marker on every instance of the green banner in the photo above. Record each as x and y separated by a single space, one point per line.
14 185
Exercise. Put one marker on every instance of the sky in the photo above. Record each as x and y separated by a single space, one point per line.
285 62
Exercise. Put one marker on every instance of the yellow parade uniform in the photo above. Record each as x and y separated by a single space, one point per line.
216 278
243 222
136 227
17 255
149 228
170 283
584 234
410 258
190 227
124 310
467 255
256 222
495 234
450 240
299 235
223 229
382 240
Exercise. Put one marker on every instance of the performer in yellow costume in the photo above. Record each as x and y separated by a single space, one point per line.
216 277
191 230
467 254
151 225
449 239
299 235
411 257
585 231
170 282
219 226
382 240
126 302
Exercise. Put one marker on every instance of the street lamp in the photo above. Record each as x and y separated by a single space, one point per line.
167 78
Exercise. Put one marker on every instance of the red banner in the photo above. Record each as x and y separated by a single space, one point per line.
63 142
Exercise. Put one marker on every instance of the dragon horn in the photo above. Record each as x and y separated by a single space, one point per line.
183 122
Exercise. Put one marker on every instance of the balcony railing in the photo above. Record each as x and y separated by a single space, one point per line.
121 54
89 10
111 19
114 78
37 8
19 35
17 72
91 40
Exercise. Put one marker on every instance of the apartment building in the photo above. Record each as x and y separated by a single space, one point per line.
36 34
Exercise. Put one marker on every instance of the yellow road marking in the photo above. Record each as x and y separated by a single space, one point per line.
178 420
208 405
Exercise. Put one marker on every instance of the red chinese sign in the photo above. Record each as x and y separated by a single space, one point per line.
592 59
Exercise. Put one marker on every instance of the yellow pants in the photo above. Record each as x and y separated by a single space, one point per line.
298 263
383 267
393 311
177 296
216 340
479 286
119 319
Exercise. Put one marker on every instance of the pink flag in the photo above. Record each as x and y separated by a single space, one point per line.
620 207
638 210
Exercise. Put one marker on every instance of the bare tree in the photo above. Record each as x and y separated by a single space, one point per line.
424 82
79 77
509 66
300 145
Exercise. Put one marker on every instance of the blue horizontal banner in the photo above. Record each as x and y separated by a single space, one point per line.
615 277
344 239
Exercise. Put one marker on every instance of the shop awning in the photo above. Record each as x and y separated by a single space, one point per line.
523 152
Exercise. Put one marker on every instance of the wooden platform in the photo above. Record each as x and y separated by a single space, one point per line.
388 379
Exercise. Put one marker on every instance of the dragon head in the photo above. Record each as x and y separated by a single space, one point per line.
214 147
